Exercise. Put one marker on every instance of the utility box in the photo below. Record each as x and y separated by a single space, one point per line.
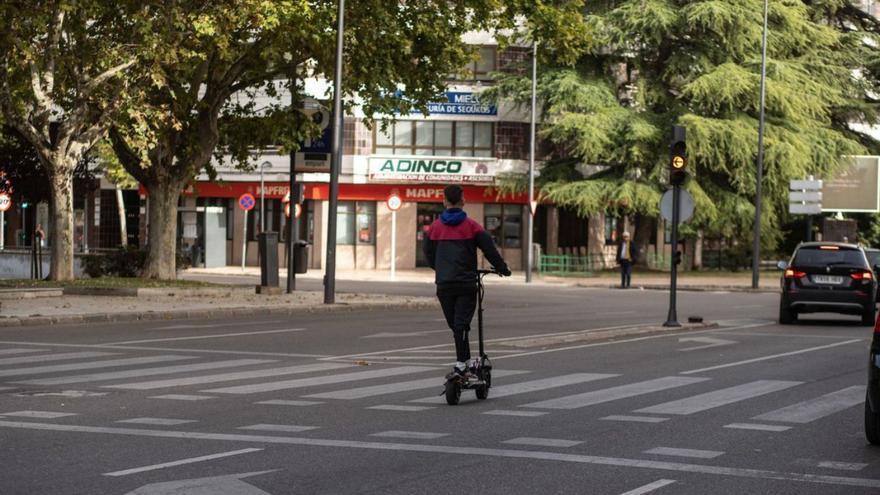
213 238
301 255
268 245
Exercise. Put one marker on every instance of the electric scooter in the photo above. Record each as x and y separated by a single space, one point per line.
479 375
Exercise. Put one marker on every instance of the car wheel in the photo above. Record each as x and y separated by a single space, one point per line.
786 315
869 315
872 424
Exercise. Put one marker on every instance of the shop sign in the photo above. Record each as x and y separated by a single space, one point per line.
461 103
432 169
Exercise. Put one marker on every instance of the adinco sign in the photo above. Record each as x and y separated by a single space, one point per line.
464 170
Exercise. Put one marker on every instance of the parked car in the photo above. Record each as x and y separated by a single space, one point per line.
828 277
872 396
873 255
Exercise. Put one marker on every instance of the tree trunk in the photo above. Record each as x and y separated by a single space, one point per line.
61 266
120 209
698 251
162 237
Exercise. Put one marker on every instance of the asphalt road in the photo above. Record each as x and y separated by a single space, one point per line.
349 402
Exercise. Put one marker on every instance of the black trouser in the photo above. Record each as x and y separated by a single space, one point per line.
458 306
625 273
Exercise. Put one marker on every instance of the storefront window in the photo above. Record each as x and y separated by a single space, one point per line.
345 223
504 224
228 204
356 223
439 138
366 223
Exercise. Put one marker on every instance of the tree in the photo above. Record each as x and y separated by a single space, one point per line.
398 55
656 63
62 64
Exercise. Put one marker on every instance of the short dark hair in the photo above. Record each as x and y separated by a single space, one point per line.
453 194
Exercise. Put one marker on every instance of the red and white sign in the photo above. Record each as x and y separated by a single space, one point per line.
5 202
247 202
297 210
394 202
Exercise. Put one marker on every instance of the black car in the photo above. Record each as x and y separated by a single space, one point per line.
873 255
872 396
828 277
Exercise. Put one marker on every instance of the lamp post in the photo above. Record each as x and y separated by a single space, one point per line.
330 270
756 245
263 198
533 206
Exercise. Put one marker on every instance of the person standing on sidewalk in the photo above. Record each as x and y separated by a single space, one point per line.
625 258
451 249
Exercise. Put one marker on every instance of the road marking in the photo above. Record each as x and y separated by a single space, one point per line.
181 462
321 380
390 388
746 473
227 377
165 370
157 421
842 466
182 397
230 484
53 357
610 313
772 356
214 325
650 487
615 393
37 414
757 427
694 453
200 337
110 363
543 442
19 351
718 398
279 402
283 428
635 419
392 407
813 409
532 386
416 435
708 341
524 414
393 335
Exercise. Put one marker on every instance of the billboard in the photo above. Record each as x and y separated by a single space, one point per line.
855 187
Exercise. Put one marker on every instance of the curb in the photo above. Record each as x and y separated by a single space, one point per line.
188 314
157 291
690 288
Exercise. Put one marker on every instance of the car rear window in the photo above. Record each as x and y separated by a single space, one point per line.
816 256
873 257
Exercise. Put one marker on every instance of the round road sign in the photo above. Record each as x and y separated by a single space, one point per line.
394 202
297 210
5 202
685 205
247 202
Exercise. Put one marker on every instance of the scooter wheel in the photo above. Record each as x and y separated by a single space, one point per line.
453 392
482 392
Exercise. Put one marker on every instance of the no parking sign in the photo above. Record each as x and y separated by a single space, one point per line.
247 202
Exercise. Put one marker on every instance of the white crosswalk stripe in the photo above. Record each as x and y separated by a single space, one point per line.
19 351
53 357
109 363
394 387
718 398
532 386
321 380
166 370
228 377
813 409
615 393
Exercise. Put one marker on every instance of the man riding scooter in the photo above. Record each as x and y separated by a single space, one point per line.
451 249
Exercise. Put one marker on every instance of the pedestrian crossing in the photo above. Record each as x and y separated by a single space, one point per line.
524 395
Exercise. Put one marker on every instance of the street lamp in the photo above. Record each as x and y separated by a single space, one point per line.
330 271
533 205
263 197
756 245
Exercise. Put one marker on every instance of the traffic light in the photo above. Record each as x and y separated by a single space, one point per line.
676 258
678 157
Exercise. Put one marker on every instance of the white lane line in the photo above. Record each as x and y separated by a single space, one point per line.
182 397
813 409
615 393
543 442
53 357
37 414
201 337
392 407
772 356
181 462
91 365
524 414
391 388
321 380
282 428
531 386
166 349
842 466
227 377
19 351
157 421
745 473
635 419
650 487
214 325
165 370
416 435
694 453
610 313
280 402
757 427
718 398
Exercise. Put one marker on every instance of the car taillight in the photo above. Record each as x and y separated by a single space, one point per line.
791 273
862 276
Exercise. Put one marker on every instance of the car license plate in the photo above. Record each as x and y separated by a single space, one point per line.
827 279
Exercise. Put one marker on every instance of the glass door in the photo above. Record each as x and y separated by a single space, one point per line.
426 213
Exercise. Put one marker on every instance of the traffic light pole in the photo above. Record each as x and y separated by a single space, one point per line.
672 317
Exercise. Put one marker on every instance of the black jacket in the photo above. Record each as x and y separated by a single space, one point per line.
451 248
633 252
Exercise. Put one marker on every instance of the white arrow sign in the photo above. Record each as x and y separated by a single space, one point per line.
809 185
217 485
806 196
708 341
